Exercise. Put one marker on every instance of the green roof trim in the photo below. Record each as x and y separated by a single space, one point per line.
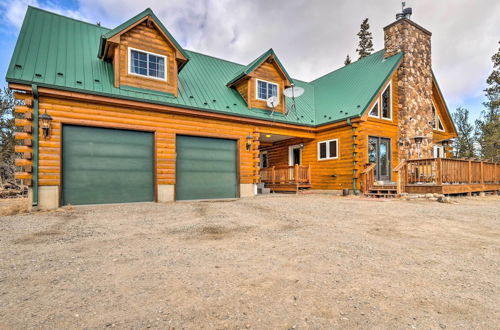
133 20
58 52
256 63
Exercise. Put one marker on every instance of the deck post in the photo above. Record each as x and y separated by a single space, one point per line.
309 173
296 173
272 174
439 169
470 171
482 172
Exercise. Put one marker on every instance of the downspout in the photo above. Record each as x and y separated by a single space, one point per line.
34 89
354 145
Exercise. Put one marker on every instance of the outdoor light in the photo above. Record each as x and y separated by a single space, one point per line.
418 142
45 120
268 135
401 142
302 146
249 142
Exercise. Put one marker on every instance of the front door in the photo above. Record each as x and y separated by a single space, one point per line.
379 152
295 155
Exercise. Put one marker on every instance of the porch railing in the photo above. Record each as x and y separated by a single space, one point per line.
286 174
451 171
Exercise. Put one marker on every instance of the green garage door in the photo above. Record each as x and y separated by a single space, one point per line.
103 165
205 168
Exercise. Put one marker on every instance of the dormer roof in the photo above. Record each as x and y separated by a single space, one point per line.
269 55
112 36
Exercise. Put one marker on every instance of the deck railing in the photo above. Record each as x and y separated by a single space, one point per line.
286 174
451 171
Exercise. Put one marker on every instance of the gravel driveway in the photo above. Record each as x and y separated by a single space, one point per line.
282 261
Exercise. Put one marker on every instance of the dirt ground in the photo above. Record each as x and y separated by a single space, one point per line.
272 262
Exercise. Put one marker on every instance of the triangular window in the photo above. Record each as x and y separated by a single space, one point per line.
374 112
440 126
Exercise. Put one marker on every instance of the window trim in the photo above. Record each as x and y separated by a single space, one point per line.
374 104
435 149
328 156
267 82
262 153
389 85
437 119
165 58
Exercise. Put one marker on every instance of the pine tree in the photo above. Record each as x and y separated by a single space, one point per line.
464 143
7 128
347 60
488 125
365 46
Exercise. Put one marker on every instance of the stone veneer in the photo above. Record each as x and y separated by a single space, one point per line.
414 85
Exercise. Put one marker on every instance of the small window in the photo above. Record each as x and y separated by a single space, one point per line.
266 89
374 111
386 103
264 161
328 149
147 64
439 151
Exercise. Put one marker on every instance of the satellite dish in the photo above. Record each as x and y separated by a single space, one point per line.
294 91
272 102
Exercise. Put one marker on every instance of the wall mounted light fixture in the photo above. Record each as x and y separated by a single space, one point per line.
249 142
45 120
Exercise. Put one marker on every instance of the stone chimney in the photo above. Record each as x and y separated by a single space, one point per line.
414 85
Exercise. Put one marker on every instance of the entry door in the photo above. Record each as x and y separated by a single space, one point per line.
379 152
295 155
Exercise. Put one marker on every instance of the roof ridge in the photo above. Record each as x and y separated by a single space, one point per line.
67 17
345 66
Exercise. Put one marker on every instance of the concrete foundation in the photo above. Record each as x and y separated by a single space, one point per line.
166 193
248 190
48 197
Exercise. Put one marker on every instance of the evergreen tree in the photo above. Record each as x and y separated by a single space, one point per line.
488 125
7 128
464 143
347 60
365 46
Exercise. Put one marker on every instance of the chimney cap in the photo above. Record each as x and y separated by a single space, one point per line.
406 12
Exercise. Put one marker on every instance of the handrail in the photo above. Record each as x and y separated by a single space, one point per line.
369 168
368 177
286 174
400 169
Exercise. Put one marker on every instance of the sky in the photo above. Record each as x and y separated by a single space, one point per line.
311 37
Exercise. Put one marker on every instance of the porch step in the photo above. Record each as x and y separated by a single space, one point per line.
287 187
383 191
381 195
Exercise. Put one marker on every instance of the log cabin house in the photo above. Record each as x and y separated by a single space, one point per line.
128 115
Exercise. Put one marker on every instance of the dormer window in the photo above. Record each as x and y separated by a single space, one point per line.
266 89
147 64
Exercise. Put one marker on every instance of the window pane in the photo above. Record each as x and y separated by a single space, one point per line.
333 149
440 124
272 90
386 99
161 67
374 111
322 150
138 63
262 90
433 117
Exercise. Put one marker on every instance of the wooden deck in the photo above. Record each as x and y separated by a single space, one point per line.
286 178
440 175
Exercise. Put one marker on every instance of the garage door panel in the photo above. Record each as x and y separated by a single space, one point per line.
107 166
206 168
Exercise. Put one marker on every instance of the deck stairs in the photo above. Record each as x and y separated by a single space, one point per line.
386 190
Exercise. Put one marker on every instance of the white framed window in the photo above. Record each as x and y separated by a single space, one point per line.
146 64
264 160
375 111
265 89
328 149
386 103
437 123
382 108
439 151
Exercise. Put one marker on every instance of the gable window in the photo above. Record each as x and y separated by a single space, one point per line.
146 64
437 124
266 89
386 103
374 111
328 149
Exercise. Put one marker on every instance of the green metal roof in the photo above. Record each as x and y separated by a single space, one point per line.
347 92
256 63
133 20
59 52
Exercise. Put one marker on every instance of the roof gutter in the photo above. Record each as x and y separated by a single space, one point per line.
34 89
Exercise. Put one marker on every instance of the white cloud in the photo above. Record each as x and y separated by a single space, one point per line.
312 37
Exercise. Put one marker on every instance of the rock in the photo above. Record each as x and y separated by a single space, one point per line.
433 199
438 195
482 194
444 199
429 195
442 326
